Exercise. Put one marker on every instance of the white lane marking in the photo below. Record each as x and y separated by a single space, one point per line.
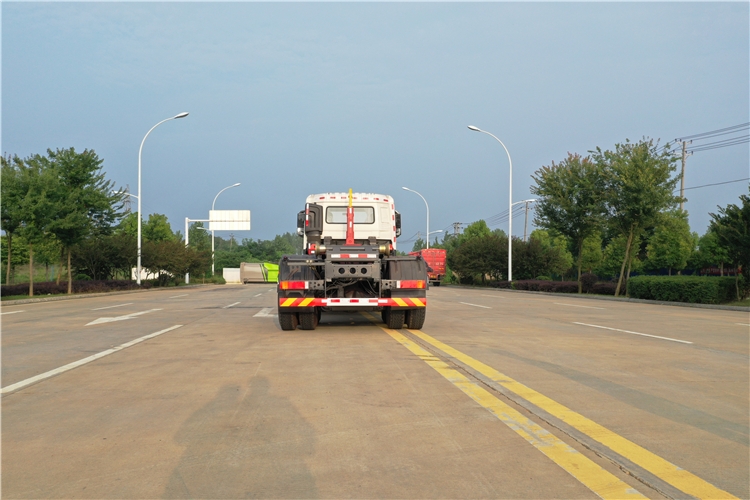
634 333
741 324
493 296
230 305
12 312
178 296
120 318
75 364
110 307
475 305
257 295
574 305
265 313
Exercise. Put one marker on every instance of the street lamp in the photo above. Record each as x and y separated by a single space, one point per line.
213 259
510 202
428 213
140 150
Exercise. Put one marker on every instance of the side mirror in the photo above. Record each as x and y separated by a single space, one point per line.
301 223
398 224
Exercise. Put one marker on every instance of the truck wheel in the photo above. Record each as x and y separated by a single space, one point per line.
308 321
415 318
288 321
395 319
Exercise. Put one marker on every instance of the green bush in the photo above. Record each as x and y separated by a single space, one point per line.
693 289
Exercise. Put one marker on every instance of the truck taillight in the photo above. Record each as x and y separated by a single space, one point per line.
410 284
293 285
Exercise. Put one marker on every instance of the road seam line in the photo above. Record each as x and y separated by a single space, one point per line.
602 482
634 333
656 465
475 305
110 307
574 305
80 362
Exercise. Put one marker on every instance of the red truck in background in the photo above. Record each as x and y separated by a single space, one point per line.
435 259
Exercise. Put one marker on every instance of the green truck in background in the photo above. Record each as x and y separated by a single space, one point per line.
256 272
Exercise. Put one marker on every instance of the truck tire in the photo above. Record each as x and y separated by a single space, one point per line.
288 321
308 321
395 319
415 318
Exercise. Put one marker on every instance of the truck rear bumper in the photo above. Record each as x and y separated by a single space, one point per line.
398 302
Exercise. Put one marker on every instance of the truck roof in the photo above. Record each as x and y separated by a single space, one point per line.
345 197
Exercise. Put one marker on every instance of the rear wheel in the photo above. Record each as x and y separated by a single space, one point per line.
288 321
395 319
415 318
308 321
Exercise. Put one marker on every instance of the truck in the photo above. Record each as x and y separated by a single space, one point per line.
349 263
435 260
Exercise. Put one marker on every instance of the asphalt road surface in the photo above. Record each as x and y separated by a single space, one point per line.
197 393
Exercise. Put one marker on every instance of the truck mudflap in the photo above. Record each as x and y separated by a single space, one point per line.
398 302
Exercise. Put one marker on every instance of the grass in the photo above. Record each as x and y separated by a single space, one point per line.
742 303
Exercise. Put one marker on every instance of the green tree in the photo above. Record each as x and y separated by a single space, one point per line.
200 239
570 201
85 203
732 227
612 255
479 256
709 253
638 187
558 257
592 252
11 195
418 245
157 228
672 243
476 229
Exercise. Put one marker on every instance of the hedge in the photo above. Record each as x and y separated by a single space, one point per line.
693 289
82 286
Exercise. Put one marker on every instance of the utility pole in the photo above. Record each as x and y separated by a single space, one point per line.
127 198
525 220
685 154
456 228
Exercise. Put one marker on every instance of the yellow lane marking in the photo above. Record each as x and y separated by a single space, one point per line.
288 302
598 480
672 474
400 302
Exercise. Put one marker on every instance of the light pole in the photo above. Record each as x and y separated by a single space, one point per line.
526 216
212 231
510 202
428 213
140 150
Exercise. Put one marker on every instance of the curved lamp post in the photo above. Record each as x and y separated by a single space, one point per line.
213 259
138 268
510 202
428 213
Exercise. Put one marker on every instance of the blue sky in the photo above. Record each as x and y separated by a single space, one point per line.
297 98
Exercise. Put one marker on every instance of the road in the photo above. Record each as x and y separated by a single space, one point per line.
198 393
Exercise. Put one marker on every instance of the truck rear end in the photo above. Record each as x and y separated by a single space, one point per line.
435 259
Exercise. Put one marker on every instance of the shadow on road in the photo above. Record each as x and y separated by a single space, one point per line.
245 443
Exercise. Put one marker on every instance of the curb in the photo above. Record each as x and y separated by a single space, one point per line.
611 298
98 294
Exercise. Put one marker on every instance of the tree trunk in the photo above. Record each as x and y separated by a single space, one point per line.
31 270
721 267
580 262
70 275
7 274
670 271
624 262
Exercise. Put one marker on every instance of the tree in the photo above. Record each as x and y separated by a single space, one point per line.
570 201
638 186
479 256
557 259
157 228
709 252
592 252
612 255
199 237
85 203
672 243
732 227
418 245
11 194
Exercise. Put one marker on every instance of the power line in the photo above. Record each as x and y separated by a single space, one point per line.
722 144
720 131
716 184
